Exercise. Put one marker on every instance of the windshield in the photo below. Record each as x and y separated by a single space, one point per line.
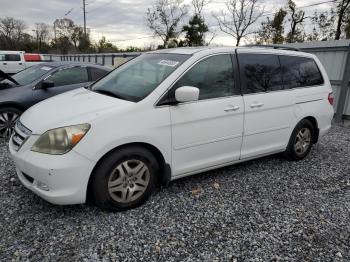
30 74
139 77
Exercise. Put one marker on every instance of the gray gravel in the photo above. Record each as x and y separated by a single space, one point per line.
266 209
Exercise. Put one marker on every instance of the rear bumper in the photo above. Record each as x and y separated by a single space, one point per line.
60 180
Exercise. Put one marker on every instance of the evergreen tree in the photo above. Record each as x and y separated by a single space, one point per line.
195 31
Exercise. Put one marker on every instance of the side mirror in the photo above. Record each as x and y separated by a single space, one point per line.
186 94
47 84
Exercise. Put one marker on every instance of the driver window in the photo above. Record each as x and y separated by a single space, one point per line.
213 76
70 76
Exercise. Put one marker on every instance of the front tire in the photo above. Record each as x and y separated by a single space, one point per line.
301 141
125 179
8 118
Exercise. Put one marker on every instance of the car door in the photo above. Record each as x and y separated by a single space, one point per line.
64 79
207 132
268 106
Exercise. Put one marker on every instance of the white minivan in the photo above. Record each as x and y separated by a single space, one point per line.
169 114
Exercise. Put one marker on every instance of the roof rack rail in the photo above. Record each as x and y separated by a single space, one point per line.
275 47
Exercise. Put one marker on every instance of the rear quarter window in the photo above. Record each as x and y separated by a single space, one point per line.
97 73
300 72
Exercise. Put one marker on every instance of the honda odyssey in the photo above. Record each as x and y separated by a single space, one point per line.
168 114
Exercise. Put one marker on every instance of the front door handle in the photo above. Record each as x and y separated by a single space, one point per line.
231 108
256 105
4 63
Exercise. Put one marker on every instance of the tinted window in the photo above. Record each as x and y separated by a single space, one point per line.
261 73
213 76
69 76
97 73
300 71
10 57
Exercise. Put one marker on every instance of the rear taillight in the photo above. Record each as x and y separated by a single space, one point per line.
331 98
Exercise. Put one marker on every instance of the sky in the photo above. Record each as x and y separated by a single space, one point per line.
122 22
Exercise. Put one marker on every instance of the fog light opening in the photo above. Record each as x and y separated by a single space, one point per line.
42 186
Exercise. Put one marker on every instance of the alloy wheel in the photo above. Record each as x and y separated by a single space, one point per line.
128 181
7 123
302 141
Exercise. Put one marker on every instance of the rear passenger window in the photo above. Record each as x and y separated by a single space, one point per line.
213 76
261 73
300 72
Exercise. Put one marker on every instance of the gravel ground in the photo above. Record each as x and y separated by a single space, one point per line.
262 210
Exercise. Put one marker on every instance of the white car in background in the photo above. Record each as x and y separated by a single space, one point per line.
11 62
169 114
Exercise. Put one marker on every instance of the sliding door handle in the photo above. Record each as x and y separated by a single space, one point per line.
256 105
231 108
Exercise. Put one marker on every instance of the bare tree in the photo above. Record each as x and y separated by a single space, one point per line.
64 27
323 26
347 27
342 8
242 14
12 31
164 19
42 32
296 19
198 6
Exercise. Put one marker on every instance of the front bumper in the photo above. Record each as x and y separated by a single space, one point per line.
65 177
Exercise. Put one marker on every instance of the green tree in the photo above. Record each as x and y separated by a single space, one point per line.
195 31
104 46
272 31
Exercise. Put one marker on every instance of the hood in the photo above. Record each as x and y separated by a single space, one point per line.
75 107
5 85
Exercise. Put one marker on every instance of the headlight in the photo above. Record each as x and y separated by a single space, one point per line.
60 140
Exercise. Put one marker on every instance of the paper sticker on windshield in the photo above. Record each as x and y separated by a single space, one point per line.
170 63
46 68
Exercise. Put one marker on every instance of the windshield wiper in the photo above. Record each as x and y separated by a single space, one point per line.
109 93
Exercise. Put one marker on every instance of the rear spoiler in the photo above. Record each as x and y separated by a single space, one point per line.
8 77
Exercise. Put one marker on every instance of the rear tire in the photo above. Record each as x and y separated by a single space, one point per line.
301 141
125 179
8 118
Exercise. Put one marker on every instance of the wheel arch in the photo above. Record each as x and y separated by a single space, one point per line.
164 174
314 122
13 105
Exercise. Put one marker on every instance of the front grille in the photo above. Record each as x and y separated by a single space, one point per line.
20 135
